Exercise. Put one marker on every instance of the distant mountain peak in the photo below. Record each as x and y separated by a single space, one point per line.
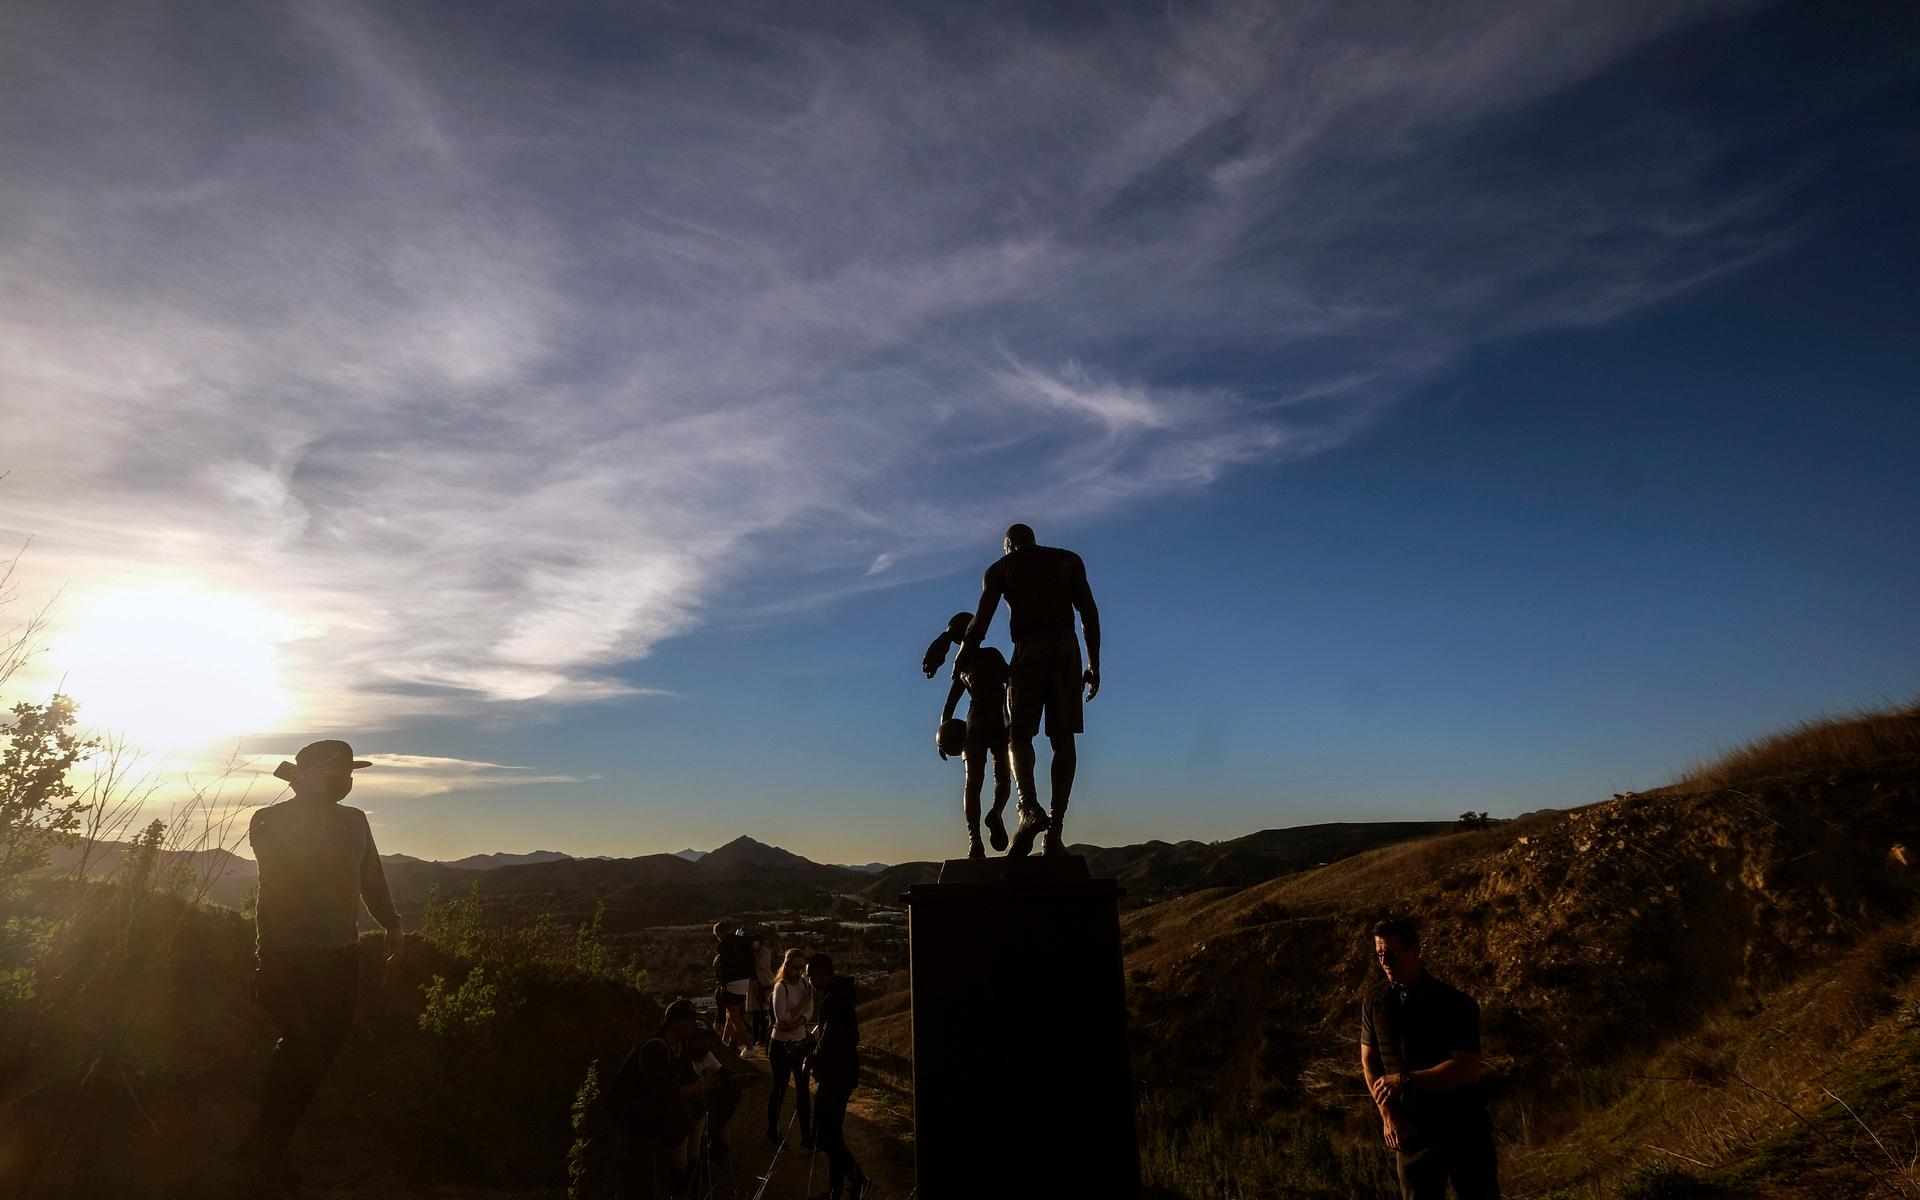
745 854
690 854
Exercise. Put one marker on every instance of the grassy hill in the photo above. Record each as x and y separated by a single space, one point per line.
1684 990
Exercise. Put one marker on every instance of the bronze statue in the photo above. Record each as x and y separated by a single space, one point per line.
982 736
1043 587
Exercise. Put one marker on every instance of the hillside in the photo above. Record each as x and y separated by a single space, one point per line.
1706 990
1650 968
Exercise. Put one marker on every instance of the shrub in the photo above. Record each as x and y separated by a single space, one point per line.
468 1010
585 1158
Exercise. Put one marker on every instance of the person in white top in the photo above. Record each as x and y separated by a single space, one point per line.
792 1016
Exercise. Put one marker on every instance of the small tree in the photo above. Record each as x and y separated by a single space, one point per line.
138 868
592 956
37 806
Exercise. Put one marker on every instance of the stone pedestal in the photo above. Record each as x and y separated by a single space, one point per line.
1021 1080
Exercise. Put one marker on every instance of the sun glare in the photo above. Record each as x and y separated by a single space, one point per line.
172 668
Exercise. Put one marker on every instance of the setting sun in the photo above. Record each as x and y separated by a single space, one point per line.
172 667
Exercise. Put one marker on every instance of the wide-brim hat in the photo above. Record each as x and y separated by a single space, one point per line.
320 755
328 753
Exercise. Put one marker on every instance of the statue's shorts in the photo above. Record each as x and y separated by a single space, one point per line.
1045 676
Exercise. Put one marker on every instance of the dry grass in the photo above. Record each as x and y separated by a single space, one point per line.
1843 741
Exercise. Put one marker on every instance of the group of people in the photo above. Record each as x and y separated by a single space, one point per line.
802 1015
673 1096
670 1100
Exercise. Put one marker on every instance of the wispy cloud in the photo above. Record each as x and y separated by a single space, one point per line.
493 352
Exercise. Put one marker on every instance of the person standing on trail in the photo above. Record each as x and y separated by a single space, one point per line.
788 1050
1420 1057
985 683
733 975
1043 587
317 864
836 1066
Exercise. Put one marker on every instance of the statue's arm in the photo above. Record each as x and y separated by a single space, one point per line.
1089 613
990 590
953 701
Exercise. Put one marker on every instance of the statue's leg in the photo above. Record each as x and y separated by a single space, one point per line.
1033 818
1002 788
1020 750
975 759
1065 759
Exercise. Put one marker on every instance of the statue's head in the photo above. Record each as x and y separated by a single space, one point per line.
957 627
1019 537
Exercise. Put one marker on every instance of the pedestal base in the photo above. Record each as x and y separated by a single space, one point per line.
1021 1080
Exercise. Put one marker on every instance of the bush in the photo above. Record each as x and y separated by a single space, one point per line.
469 1010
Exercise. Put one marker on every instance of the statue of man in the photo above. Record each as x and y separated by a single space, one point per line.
1043 587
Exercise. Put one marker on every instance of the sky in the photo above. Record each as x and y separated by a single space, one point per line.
591 410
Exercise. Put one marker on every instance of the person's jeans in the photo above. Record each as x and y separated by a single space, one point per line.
830 1136
309 994
789 1063
1469 1161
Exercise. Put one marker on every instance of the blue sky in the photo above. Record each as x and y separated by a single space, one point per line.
593 410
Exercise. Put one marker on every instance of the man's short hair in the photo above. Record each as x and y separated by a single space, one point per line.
1401 929
1020 535
679 1010
721 928
823 961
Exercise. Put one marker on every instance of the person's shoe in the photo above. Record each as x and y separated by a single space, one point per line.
996 830
774 1139
1033 823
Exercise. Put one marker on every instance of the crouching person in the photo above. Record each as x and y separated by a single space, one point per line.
675 1101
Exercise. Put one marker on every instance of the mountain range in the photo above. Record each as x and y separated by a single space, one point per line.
746 875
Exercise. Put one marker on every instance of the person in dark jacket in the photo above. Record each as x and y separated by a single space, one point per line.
733 972
836 1069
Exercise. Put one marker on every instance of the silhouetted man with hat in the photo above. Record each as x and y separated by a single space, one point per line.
1043 587
317 865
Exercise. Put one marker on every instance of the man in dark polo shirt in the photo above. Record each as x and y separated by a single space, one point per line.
317 864
1043 587
1420 1056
